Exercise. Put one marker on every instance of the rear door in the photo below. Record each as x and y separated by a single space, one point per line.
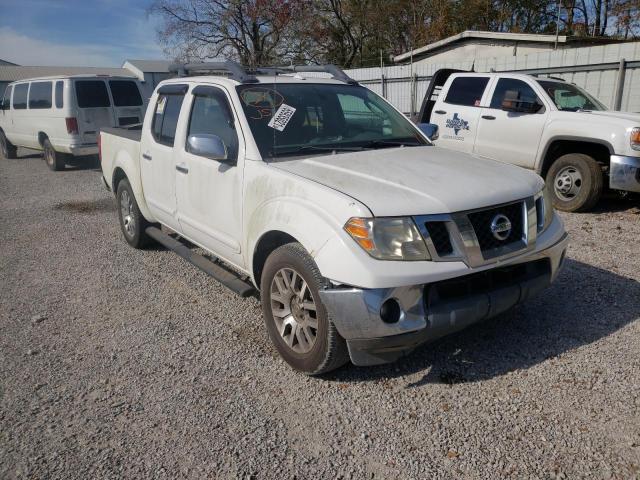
127 102
457 114
93 107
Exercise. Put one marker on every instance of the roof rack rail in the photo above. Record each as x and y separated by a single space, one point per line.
247 75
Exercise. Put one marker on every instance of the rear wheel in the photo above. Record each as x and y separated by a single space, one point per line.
575 182
296 320
55 160
9 151
132 222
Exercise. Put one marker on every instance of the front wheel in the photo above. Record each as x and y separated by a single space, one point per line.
55 160
575 182
132 223
296 320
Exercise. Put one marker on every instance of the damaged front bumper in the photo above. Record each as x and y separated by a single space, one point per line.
624 173
381 325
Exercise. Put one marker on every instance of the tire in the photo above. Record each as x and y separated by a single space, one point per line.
286 311
8 150
575 182
132 222
56 161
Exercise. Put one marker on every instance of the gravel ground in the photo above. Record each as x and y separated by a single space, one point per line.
117 363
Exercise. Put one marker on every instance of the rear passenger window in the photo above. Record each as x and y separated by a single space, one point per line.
20 96
40 95
165 118
92 94
125 93
59 94
467 91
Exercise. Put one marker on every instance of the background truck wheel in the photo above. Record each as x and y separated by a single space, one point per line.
55 160
295 317
8 150
575 182
132 223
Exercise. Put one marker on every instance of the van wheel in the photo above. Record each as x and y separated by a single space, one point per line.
132 222
55 160
9 151
575 182
296 320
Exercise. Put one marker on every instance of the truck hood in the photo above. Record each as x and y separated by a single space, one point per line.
632 119
417 180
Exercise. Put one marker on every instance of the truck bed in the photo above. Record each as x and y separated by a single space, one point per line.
120 148
132 133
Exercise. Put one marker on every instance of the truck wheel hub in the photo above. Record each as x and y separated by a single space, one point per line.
567 183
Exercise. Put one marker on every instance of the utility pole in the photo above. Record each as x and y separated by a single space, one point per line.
555 47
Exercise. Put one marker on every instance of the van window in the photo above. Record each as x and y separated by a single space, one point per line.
6 99
92 94
40 95
467 91
59 94
20 96
125 93
165 118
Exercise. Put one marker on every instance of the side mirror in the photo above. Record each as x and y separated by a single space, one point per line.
430 130
511 103
208 146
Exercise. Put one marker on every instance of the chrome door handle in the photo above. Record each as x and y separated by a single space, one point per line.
440 112
488 117
182 169
146 156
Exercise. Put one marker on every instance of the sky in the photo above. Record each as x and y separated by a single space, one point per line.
90 33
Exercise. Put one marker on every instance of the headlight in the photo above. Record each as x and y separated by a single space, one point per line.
388 238
544 209
634 138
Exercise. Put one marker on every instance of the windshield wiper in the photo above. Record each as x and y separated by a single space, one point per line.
391 143
317 148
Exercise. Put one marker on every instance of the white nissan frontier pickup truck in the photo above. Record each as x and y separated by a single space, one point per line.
546 124
363 239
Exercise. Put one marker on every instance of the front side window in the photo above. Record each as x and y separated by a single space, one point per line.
512 90
570 98
467 91
40 95
125 93
211 114
59 94
6 99
92 94
165 118
20 96
288 119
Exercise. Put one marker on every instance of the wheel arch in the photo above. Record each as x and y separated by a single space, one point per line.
42 136
118 175
266 244
600 150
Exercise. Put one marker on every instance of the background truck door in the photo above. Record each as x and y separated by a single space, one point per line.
511 136
157 165
457 114
209 192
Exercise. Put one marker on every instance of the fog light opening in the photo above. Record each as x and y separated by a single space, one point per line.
390 311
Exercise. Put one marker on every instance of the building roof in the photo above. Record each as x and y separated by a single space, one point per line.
151 66
499 36
11 73
5 62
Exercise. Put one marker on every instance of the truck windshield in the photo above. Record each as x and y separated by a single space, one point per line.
292 118
570 98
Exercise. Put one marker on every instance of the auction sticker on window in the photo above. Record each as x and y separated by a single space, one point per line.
281 118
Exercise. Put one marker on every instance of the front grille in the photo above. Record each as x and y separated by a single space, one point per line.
440 237
481 222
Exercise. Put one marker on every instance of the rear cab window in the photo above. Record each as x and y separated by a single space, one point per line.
125 93
40 95
466 91
20 96
92 94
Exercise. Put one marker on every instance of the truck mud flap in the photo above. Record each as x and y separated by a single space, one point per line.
230 279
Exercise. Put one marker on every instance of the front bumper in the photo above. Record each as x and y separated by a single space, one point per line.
428 312
624 173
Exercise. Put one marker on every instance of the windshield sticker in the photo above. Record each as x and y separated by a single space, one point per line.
262 102
282 117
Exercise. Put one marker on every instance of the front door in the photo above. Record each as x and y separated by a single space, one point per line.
512 137
209 192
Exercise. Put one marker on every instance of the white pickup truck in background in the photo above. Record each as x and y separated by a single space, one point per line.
363 239
544 124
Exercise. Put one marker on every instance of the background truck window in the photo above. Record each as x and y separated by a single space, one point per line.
92 94
212 115
165 118
59 94
40 95
525 92
6 100
20 96
125 93
467 91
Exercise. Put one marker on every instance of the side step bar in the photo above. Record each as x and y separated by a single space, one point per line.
228 278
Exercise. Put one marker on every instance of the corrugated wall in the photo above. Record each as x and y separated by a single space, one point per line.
596 69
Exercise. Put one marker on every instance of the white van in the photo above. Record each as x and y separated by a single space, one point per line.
62 115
